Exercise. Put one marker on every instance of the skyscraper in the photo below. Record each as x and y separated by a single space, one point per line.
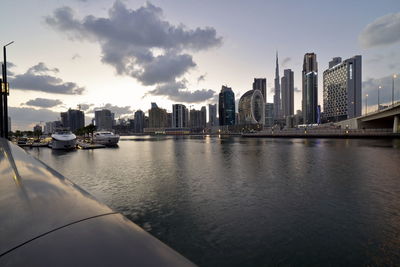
180 116
139 121
287 86
310 88
157 117
261 84
73 119
103 119
198 118
203 117
226 106
277 95
342 89
269 114
212 115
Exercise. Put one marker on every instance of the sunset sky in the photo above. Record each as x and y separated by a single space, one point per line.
123 55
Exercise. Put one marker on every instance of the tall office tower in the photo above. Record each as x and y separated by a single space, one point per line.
73 119
103 119
310 88
212 115
64 119
335 61
342 89
287 86
226 109
203 117
139 121
277 95
269 114
157 117
180 116
261 84
198 118
169 119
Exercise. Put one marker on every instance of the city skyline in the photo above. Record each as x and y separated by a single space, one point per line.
85 72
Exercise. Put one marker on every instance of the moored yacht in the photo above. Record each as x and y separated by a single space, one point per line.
63 139
105 138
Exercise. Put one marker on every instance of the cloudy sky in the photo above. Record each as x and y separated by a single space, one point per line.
123 55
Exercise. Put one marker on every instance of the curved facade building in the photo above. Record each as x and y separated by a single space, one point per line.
251 108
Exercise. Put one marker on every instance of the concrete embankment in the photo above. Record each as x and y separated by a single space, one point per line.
325 134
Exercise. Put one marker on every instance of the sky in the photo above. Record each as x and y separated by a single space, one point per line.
123 55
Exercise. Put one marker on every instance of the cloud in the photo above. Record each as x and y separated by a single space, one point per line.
370 87
139 43
201 78
176 91
75 56
39 78
85 107
285 61
43 102
383 31
41 68
117 110
23 118
297 90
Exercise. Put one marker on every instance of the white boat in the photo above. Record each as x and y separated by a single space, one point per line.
106 138
63 139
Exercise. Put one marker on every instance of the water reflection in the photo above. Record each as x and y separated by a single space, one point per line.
228 201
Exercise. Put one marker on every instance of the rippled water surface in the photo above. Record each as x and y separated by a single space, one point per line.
251 202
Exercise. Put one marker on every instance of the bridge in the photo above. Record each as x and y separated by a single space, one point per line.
380 119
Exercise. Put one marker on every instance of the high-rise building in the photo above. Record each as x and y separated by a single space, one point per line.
226 106
277 95
287 86
157 117
212 115
73 119
269 114
203 117
198 118
180 116
310 88
139 121
261 84
51 126
251 108
103 119
9 124
169 119
342 89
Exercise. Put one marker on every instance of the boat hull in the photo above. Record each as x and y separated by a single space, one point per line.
63 144
107 141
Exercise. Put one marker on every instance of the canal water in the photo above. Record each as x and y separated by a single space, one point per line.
251 202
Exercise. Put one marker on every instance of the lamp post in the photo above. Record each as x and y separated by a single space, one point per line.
379 90
5 105
393 77
366 103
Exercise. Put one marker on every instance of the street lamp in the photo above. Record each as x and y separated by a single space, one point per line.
366 103
393 77
3 96
379 89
